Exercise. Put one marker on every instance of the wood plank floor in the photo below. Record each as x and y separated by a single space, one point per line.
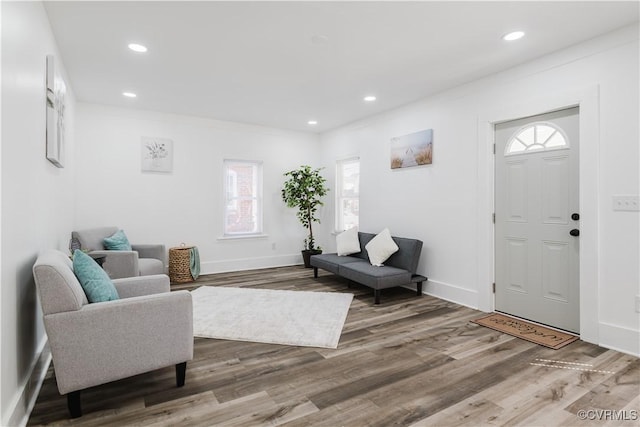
411 361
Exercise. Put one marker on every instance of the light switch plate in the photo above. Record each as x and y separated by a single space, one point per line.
626 203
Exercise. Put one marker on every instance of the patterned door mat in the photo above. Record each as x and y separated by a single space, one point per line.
527 331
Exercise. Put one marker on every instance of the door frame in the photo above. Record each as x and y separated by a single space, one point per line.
589 171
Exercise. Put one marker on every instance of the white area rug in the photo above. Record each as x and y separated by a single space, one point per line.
310 319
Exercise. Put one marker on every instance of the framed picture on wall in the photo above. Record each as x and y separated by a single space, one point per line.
414 149
55 128
156 154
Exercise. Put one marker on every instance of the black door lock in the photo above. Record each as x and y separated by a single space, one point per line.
575 216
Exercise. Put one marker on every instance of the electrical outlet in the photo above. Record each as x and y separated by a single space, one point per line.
626 203
637 303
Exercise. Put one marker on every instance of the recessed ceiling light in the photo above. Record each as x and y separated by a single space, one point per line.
515 35
137 47
129 94
370 98
312 122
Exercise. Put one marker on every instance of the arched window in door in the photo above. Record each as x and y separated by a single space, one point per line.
540 136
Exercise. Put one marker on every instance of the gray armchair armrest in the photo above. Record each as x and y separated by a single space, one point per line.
119 264
142 285
151 251
118 339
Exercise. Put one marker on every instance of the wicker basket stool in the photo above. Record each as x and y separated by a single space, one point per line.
180 264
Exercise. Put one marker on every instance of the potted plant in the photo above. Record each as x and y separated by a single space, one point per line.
304 189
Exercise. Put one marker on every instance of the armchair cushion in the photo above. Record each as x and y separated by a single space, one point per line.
93 279
117 242
150 266
156 251
142 285
119 264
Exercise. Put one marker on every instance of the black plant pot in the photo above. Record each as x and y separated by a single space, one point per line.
306 256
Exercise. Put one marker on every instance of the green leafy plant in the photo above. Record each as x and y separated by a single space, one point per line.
303 190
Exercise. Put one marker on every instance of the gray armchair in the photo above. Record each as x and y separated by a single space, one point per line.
143 260
91 344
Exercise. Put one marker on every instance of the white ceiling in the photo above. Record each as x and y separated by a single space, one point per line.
262 63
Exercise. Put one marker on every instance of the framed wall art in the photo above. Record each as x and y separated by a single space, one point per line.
55 127
414 149
156 154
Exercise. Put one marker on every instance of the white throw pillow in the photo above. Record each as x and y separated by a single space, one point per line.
381 247
348 242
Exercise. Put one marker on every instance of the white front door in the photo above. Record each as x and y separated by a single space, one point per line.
537 219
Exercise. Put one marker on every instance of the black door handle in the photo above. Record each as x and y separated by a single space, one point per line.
575 232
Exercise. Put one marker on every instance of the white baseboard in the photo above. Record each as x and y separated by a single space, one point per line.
242 264
620 338
25 398
451 293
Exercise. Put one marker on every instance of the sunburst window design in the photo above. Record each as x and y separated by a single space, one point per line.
541 136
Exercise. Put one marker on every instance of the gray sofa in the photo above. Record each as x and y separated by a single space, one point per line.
146 329
398 270
143 260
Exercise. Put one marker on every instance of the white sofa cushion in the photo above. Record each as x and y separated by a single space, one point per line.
348 242
381 247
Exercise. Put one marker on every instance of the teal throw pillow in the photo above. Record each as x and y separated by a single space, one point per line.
94 281
117 242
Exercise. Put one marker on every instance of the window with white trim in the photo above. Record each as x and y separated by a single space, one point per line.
539 136
242 197
347 193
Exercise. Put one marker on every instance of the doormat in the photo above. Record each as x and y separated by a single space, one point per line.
526 330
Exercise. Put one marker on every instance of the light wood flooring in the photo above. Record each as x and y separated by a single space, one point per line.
411 361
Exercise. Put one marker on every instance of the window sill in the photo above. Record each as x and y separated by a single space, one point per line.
243 237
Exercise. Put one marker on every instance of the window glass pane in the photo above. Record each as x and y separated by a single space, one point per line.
351 179
556 140
243 198
536 137
526 136
350 213
347 194
543 132
517 146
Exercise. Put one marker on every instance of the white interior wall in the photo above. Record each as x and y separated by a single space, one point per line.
37 197
448 205
443 204
186 204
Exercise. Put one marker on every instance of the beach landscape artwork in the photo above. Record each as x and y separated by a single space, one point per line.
414 149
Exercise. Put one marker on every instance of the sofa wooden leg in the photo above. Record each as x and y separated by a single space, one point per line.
73 403
419 289
376 295
315 272
181 373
